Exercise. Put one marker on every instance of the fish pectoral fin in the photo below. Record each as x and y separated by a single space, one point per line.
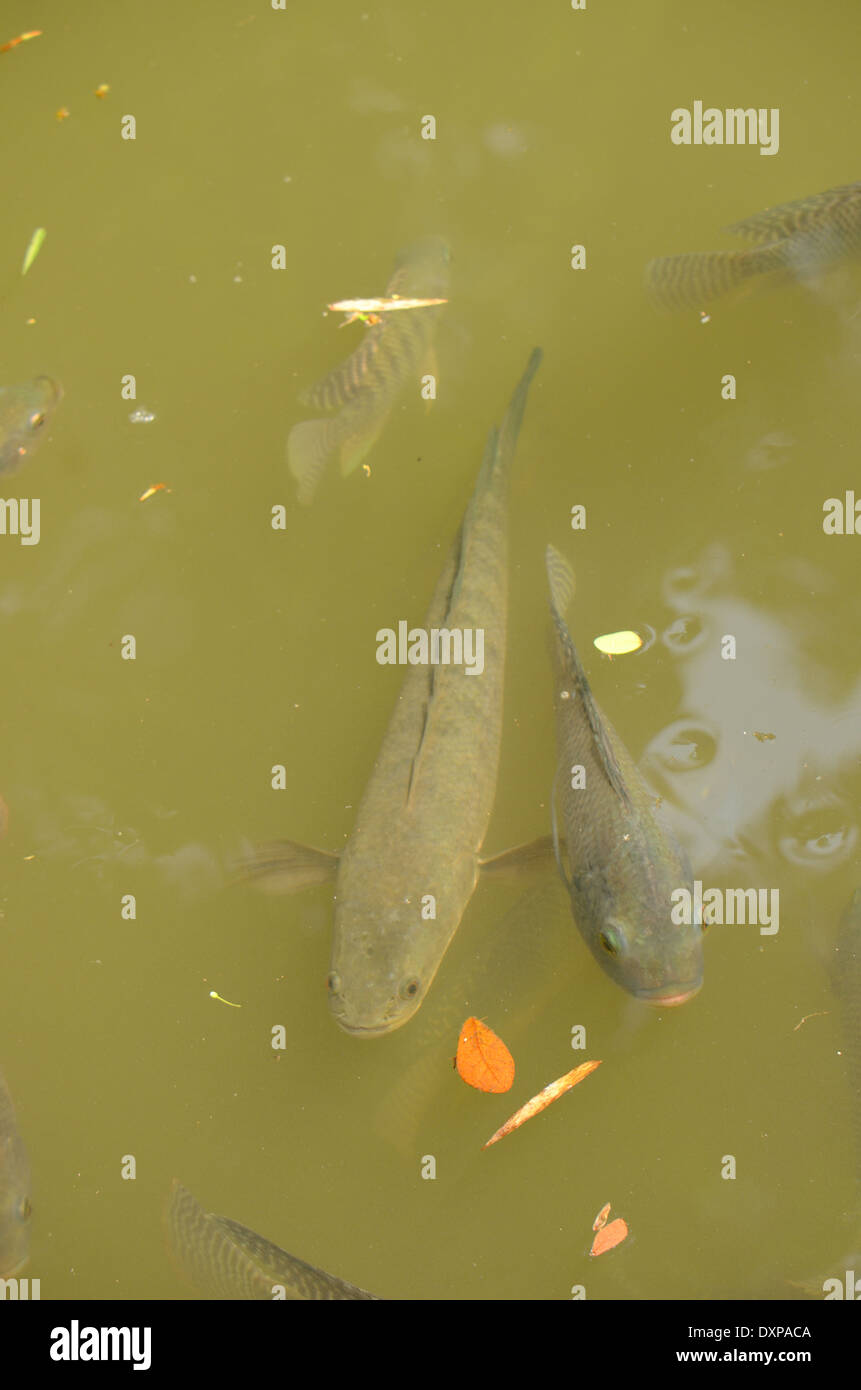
359 439
536 854
283 866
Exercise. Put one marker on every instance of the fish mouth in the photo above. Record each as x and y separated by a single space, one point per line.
667 999
359 1030
368 1030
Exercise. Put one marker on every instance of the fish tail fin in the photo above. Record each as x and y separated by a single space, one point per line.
502 442
560 577
310 446
694 279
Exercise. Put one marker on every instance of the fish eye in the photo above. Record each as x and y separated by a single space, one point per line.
609 942
409 988
333 982
37 420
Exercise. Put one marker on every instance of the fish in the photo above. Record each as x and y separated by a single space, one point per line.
846 983
623 864
395 351
24 413
800 238
15 1209
226 1260
425 811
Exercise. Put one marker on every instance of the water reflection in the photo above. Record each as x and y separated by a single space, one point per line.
761 760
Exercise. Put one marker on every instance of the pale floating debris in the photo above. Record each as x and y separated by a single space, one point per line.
34 246
763 738
142 417
551 1092
213 994
368 310
601 1218
102 90
619 643
819 1013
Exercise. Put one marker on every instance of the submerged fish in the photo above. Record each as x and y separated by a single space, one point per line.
846 983
623 864
226 1260
14 1190
396 350
800 238
425 811
24 413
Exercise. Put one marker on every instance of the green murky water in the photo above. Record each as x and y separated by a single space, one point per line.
255 647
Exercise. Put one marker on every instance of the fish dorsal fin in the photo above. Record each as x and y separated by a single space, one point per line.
456 560
555 832
560 577
785 219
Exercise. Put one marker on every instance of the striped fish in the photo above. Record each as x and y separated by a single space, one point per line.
798 239
395 352
226 1260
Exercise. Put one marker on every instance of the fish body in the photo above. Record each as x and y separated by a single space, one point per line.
801 238
14 1190
24 414
846 982
397 350
229 1261
425 811
623 864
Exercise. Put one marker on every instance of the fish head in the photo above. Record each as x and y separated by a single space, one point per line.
656 961
383 962
628 924
15 1209
24 415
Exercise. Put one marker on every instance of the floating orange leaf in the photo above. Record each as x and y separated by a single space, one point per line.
483 1060
609 1236
601 1218
543 1099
